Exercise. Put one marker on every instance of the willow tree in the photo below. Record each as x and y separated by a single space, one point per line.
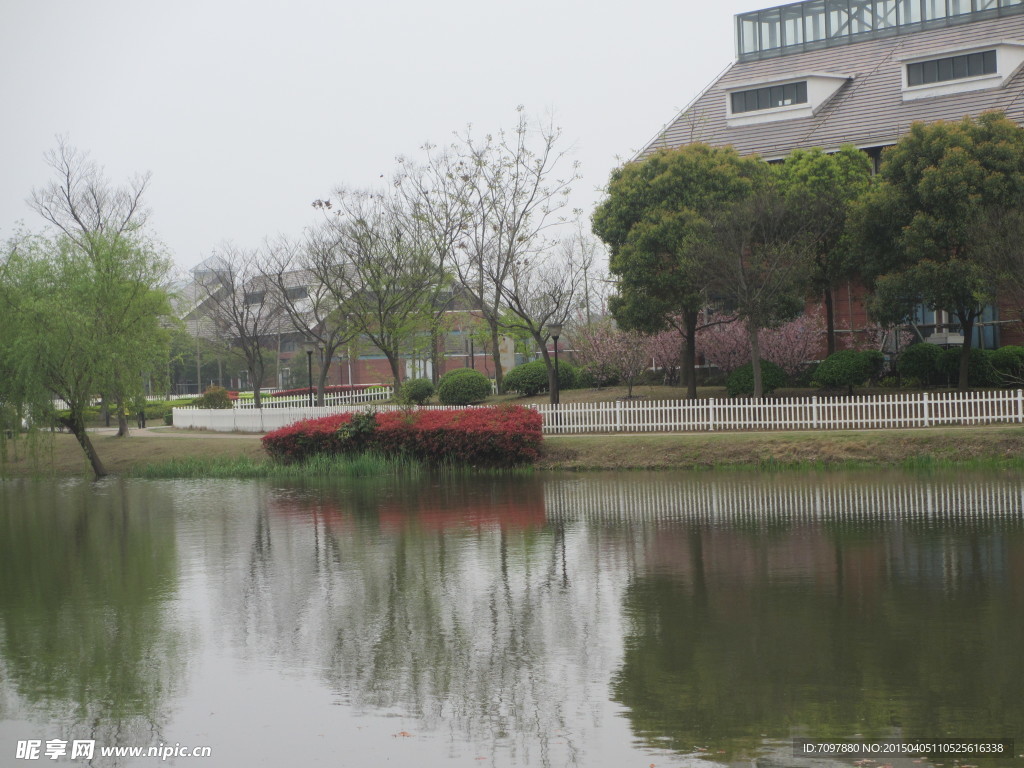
80 321
656 220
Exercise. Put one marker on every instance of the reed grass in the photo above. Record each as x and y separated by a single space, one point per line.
243 468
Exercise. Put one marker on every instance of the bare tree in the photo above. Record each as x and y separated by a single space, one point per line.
496 198
377 261
307 303
546 288
243 306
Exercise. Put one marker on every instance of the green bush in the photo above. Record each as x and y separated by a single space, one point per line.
214 397
741 381
980 371
918 361
1008 363
463 386
847 368
416 391
531 379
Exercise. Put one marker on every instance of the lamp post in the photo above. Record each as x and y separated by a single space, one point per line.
555 329
309 371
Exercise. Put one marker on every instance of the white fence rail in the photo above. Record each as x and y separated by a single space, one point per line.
378 394
713 415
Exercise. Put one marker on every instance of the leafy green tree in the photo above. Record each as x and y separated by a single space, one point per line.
656 220
921 231
79 322
822 186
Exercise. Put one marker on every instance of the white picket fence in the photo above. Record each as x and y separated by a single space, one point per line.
377 394
712 415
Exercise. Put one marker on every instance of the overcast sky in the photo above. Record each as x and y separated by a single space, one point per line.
246 112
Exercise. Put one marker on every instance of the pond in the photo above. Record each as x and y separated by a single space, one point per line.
635 619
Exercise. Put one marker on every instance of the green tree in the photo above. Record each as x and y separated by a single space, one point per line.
922 231
80 321
656 220
822 186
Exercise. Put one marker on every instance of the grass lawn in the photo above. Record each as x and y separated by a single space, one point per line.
989 446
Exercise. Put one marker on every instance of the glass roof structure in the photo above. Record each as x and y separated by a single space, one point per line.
814 24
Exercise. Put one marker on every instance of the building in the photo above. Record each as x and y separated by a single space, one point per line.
824 73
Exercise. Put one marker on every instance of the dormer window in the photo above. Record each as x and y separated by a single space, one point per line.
769 97
787 97
961 71
951 68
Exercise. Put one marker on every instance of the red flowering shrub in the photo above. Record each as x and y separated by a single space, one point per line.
494 437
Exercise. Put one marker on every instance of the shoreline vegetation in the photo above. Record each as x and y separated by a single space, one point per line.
165 452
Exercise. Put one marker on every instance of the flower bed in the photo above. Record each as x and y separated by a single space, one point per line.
493 437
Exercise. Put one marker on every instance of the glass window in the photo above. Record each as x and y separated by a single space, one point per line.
748 33
1007 3
792 25
951 68
862 16
838 14
771 29
985 5
769 97
910 12
959 7
814 21
885 14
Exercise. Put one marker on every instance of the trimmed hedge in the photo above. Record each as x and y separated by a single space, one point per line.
463 386
332 389
1009 365
741 381
495 437
918 362
214 397
531 379
980 371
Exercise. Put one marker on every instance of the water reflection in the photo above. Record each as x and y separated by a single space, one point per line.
87 575
596 620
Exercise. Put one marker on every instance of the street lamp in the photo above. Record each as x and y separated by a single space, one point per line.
555 329
309 370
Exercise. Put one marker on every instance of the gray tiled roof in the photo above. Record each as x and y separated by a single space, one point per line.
866 111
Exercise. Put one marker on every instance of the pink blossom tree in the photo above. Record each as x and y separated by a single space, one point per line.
596 349
790 346
666 352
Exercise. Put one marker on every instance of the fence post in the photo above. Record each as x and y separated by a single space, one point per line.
814 411
618 416
924 403
1020 406
711 414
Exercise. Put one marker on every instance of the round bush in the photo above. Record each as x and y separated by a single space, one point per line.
847 368
531 379
918 362
741 381
463 386
416 391
980 371
1008 363
214 397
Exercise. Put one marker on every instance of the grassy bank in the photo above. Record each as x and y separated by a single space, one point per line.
217 455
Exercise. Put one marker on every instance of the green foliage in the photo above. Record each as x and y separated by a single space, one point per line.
848 368
416 391
531 378
358 432
741 381
1008 363
918 361
980 371
214 397
463 386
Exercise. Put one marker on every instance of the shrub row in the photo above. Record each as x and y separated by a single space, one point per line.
931 364
333 388
494 437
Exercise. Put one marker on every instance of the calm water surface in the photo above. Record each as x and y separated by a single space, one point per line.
590 620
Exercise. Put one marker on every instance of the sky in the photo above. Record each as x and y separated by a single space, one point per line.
246 112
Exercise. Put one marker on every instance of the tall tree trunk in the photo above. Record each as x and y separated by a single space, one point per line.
967 327
755 358
122 418
830 320
690 353
76 424
394 360
499 375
